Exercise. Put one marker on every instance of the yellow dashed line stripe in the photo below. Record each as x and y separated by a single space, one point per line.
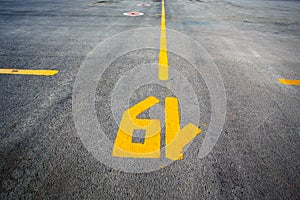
29 72
163 65
289 82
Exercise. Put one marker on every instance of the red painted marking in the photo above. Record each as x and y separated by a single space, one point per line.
133 13
144 4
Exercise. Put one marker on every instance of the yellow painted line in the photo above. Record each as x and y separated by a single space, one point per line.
177 138
29 72
163 73
289 82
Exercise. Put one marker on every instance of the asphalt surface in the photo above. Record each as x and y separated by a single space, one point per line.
44 155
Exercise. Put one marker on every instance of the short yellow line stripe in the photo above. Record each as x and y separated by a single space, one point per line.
29 72
289 82
163 65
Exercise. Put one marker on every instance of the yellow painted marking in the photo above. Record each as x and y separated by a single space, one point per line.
177 138
124 147
289 82
163 65
29 72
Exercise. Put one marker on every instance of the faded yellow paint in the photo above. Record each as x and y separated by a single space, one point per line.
29 72
289 82
124 147
177 138
163 72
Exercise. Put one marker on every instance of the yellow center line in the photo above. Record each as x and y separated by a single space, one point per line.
289 82
29 72
163 65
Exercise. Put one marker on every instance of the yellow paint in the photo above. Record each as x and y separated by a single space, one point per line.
177 138
289 82
124 147
163 65
29 72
